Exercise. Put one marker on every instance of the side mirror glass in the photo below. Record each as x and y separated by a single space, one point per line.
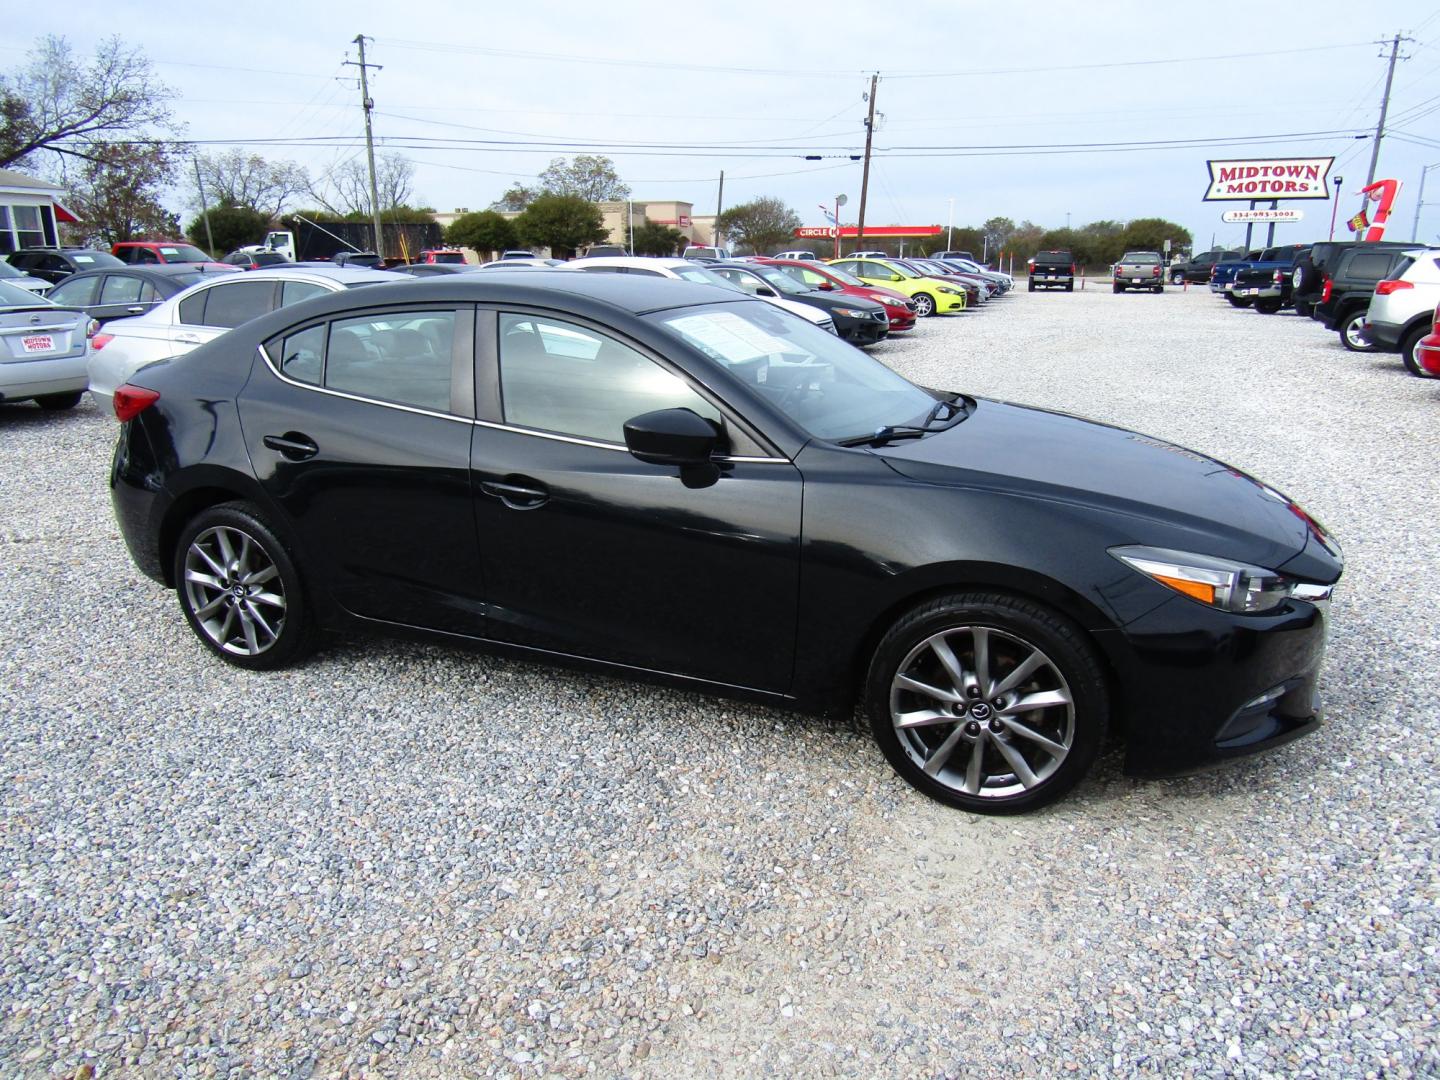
677 437
826 286
765 290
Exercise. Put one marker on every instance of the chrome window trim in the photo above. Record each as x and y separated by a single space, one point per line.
270 364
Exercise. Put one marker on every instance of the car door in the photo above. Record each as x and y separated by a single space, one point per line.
123 295
205 315
590 552
359 430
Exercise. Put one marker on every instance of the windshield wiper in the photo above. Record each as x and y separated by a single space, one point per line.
890 432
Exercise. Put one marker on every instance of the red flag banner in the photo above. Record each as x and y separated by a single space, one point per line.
1359 221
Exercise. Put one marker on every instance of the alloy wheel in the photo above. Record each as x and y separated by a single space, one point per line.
235 591
982 711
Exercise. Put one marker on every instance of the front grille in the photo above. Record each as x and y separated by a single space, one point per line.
879 316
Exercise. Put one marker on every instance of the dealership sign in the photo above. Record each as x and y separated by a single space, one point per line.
1269 178
1244 217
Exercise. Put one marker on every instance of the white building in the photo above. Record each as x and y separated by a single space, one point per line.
29 211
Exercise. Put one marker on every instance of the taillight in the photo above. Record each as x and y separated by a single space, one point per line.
1325 292
1278 276
1155 272
1072 269
131 401
1385 288
99 341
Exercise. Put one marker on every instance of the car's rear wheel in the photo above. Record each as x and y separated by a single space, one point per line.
1117 287
1031 286
924 304
1070 286
1352 332
987 702
1267 305
1304 310
240 590
1410 352
1237 301
56 402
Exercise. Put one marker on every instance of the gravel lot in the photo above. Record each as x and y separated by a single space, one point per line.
411 860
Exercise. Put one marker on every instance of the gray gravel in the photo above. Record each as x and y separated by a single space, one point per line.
410 860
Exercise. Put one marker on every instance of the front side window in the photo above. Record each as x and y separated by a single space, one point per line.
402 357
559 377
121 289
141 255
829 388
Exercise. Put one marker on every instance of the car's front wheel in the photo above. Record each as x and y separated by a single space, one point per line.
924 304
1177 278
1352 332
988 702
240 590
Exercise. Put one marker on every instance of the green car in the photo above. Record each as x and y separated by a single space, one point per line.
932 297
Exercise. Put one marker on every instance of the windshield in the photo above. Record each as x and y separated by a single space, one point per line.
14 296
830 389
182 253
903 270
705 277
842 276
782 281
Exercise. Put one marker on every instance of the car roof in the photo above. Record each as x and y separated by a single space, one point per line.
345 275
160 270
643 262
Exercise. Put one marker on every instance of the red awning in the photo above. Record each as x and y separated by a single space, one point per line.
62 214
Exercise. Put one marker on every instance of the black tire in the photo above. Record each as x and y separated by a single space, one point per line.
1117 287
1158 289
1351 335
1177 278
1013 629
1030 286
1267 305
924 305
1410 352
249 629
56 402
1237 301
1304 310
1070 286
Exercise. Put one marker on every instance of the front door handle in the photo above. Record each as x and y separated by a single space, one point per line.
138 309
292 445
188 339
517 496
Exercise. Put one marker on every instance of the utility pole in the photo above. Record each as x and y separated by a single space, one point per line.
368 103
1384 106
210 237
949 225
719 204
865 170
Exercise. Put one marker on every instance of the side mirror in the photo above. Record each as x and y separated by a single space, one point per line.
765 290
676 437
826 286
895 277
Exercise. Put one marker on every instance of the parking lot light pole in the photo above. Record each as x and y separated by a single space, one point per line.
1420 201
949 224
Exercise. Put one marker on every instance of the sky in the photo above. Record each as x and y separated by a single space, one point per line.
977 103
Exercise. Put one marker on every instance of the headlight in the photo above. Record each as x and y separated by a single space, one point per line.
1220 583
949 291
850 313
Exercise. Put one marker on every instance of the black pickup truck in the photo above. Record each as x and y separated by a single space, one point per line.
1052 269
1268 282
1345 297
1197 268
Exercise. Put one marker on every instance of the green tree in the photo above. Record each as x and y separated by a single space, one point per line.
653 238
484 230
116 193
58 104
589 176
232 227
563 223
1025 240
962 238
997 232
1150 234
759 225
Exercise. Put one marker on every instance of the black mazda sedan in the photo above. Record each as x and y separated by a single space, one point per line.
664 479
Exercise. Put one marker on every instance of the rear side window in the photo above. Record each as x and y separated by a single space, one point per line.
192 308
404 357
231 305
76 291
1369 266
301 354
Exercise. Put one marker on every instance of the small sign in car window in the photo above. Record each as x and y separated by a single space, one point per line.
83 258
169 251
728 337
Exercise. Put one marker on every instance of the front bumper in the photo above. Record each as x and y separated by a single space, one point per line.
861 331
944 304
1199 687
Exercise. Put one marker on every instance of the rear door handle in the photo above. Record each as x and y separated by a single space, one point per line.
138 309
522 496
188 339
292 445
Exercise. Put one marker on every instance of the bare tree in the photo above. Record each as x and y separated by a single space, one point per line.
58 104
346 189
239 179
592 177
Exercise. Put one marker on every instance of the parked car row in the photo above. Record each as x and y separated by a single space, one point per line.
1376 295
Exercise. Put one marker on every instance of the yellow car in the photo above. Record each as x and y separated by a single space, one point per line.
931 296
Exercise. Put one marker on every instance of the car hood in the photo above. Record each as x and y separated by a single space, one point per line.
1049 455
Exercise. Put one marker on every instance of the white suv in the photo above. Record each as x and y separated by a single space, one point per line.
202 313
1403 307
